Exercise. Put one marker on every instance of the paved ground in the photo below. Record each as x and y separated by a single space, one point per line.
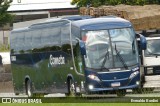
6 87
156 93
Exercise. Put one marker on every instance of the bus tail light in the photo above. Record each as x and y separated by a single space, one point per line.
93 77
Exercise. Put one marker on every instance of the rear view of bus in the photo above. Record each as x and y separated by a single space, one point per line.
110 55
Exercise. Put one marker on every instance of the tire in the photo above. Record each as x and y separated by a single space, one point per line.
71 89
16 93
29 89
121 93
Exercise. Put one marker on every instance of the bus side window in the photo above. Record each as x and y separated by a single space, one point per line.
28 41
65 38
36 40
55 39
20 42
46 37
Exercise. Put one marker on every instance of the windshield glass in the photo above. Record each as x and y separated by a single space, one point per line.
153 47
114 48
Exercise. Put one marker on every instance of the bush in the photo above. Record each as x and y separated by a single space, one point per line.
4 48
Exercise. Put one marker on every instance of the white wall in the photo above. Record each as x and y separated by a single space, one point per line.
5 57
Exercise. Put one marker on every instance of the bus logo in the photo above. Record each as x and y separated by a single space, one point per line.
56 60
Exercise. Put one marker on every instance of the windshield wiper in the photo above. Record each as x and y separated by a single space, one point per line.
121 58
104 61
133 47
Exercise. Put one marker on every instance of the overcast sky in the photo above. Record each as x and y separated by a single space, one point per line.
37 1
22 5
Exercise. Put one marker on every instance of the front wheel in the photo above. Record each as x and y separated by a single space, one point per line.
121 93
72 89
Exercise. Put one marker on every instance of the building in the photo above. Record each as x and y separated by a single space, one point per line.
27 10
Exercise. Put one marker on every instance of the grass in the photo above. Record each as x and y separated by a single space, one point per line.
85 104
4 48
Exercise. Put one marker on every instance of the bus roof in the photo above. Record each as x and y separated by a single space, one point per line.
20 29
50 22
102 23
78 17
84 23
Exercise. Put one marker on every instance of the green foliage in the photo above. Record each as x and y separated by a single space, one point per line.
5 17
97 3
4 48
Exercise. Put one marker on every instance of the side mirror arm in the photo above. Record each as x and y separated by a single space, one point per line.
143 42
82 46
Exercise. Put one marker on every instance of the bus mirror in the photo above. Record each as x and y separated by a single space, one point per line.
82 47
143 42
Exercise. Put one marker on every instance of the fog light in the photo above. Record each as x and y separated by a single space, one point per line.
90 86
137 82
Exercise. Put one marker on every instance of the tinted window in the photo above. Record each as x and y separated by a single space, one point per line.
54 33
65 34
20 42
28 41
36 39
46 37
76 31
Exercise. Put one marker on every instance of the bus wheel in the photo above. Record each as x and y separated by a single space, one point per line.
71 88
29 88
121 93
16 93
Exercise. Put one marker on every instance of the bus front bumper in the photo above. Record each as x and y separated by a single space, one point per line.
92 89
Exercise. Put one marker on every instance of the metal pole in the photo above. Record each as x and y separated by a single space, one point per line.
3 37
49 15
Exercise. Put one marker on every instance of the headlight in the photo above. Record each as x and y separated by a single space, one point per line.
133 74
90 86
93 77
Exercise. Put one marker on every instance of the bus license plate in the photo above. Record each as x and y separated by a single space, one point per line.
115 84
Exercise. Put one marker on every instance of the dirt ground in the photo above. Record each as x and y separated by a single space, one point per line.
6 87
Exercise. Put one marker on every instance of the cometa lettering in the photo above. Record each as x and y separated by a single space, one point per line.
57 60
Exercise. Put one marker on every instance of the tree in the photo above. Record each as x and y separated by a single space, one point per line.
85 3
96 3
5 17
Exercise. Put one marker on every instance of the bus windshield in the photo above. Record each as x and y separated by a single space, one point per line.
153 47
113 48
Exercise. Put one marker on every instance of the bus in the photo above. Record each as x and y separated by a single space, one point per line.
77 57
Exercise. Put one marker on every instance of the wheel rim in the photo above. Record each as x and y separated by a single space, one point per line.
72 88
29 89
